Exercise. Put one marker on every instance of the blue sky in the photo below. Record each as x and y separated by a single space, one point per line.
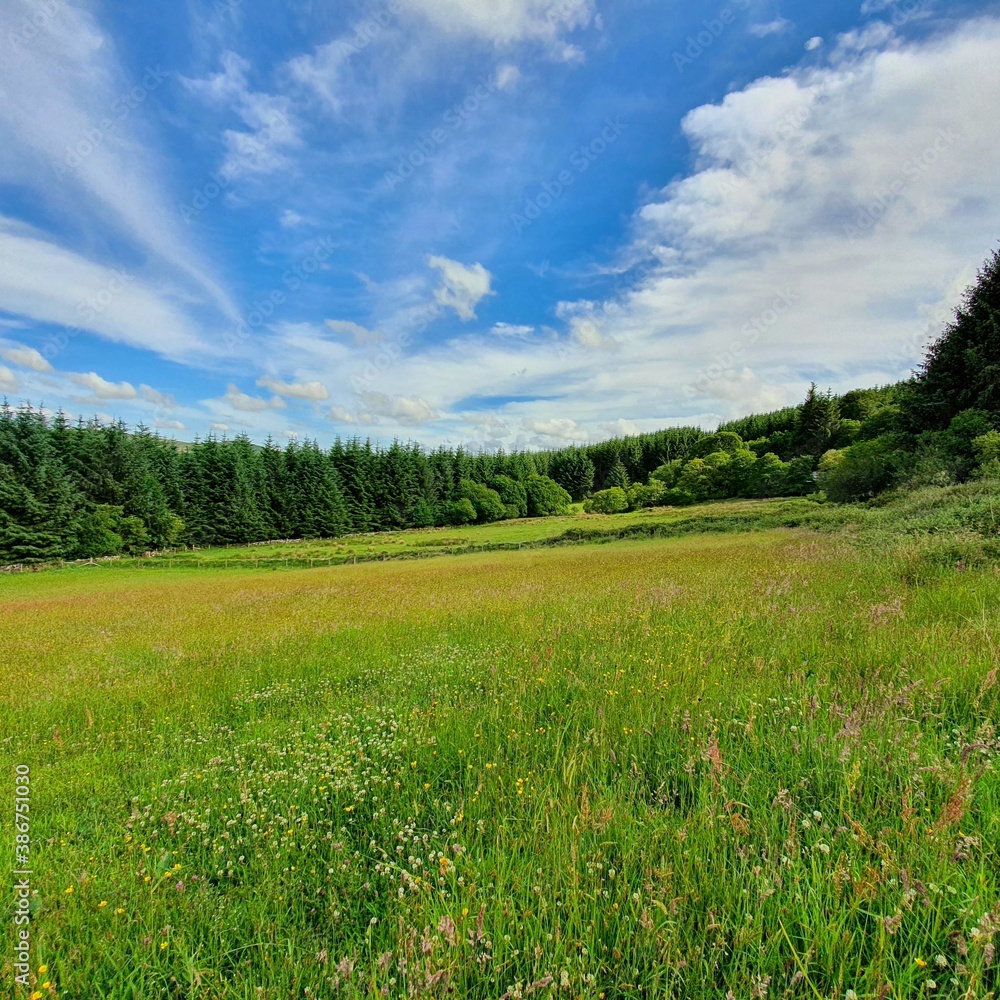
518 223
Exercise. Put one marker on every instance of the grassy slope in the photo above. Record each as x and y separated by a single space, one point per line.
668 768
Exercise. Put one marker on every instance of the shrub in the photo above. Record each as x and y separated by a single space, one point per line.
640 496
545 497
513 494
486 502
613 501
460 512
861 471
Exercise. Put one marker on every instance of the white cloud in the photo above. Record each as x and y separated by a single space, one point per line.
814 43
621 428
407 410
752 286
296 390
151 395
359 334
237 400
169 425
462 287
102 388
48 283
560 429
875 6
273 130
505 22
776 27
70 137
290 219
9 382
220 427
26 357
507 77
510 330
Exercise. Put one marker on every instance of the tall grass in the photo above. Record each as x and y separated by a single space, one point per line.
749 765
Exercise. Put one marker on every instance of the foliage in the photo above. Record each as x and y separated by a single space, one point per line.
612 501
545 497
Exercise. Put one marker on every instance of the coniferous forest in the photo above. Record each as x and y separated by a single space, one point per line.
84 490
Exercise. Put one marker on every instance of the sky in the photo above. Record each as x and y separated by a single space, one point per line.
489 223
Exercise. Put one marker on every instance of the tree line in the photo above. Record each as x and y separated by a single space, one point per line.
87 490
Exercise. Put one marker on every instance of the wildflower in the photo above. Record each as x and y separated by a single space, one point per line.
42 969
69 890
102 904
930 985
163 944
119 911
36 995
921 964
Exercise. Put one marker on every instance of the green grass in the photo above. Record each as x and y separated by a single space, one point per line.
753 762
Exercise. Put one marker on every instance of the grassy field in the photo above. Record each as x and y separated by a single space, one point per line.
973 507
753 764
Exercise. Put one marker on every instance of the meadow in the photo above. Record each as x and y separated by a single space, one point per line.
731 763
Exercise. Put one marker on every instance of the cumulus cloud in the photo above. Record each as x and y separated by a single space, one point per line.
814 43
9 382
152 395
296 390
359 334
462 287
409 410
169 425
560 429
237 400
102 388
621 428
831 220
26 357
512 330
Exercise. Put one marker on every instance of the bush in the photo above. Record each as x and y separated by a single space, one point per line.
545 497
861 471
514 496
460 512
486 502
613 501
640 496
